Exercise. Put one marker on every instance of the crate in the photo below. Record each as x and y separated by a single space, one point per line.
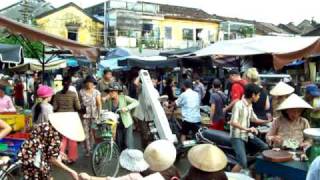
14 146
19 135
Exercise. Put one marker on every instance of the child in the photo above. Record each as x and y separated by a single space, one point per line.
42 109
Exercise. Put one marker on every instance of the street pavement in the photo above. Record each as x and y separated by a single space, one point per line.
84 164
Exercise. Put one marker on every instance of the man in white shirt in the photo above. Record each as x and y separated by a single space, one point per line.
189 103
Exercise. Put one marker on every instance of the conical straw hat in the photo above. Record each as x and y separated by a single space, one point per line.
294 101
68 124
160 155
281 89
132 160
207 157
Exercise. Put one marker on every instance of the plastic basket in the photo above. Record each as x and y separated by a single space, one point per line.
19 135
14 146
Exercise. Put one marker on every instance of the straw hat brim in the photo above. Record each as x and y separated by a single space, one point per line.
4 83
160 155
68 124
281 89
207 157
293 102
133 164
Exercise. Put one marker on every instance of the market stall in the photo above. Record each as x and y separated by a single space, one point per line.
29 34
284 50
34 65
151 62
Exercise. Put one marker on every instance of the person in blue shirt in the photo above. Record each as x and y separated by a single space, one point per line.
189 103
314 170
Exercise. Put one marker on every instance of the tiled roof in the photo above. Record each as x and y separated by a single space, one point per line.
267 28
63 7
291 28
184 12
313 32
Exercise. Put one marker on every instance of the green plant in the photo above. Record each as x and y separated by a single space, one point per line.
247 31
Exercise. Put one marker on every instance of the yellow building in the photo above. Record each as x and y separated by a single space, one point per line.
157 25
72 22
187 27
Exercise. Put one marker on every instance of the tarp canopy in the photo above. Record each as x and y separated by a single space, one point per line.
179 52
117 52
283 49
34 65
11 53
31 33
150 62
111 64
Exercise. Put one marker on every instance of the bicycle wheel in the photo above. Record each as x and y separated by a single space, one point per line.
105 159
11 173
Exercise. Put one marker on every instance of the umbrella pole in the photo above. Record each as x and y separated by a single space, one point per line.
43 63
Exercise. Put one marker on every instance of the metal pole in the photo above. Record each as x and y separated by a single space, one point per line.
105 24
43 63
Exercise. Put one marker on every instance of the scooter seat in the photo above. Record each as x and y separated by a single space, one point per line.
218 137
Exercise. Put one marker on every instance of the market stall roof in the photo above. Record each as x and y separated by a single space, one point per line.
117 53
283 49
34 65
31 33
112 64
150 62
11 53
179 51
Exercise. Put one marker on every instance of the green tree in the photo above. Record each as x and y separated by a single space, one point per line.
247 31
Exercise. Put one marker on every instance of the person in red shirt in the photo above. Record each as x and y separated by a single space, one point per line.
18 93
236 90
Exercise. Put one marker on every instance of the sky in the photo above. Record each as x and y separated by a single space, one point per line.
273 11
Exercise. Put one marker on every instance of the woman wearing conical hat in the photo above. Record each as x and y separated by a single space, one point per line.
279 93
290 124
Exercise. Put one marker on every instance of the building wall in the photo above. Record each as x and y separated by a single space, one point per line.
177 26
90 32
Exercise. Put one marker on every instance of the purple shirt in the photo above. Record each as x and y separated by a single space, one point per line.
6 104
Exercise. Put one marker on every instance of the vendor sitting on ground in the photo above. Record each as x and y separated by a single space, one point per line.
6 104
290 125
279 93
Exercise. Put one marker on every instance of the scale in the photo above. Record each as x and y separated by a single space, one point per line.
314 151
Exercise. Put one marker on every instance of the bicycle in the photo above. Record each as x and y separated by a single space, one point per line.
9 169
105 157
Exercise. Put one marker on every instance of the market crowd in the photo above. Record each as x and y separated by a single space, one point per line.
247 105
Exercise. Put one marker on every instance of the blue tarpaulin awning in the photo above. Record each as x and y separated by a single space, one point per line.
11 53
111 64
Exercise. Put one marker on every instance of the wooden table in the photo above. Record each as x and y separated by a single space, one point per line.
292 170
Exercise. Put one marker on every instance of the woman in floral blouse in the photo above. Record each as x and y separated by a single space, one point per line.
90 99
42 149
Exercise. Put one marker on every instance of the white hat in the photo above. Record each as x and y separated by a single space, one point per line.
58 77
207 157
132 160
68 124
160 155
281 89
294 101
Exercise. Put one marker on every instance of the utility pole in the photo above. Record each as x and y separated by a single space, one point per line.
26 11
106 25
